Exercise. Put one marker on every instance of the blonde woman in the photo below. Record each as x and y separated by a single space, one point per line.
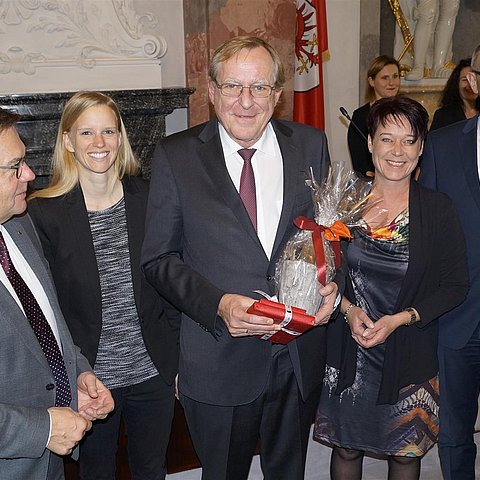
90 221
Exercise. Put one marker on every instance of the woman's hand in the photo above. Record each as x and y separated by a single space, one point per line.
382 329
358 321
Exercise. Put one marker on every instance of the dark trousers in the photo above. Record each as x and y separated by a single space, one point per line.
459 389
225 437
147 411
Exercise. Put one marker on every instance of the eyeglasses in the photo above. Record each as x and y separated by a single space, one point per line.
17 166
235 90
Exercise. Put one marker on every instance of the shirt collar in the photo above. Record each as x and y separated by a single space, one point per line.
265 144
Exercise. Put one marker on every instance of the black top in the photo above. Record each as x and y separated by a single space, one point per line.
357 145
446 116
435 282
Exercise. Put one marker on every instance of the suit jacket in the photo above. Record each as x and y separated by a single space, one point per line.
357 145
436 281
200 244
64 230
25 373
450 165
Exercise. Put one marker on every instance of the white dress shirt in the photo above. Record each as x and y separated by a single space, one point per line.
267 166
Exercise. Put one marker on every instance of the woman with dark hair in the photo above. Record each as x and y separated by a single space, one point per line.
459 101
383 80
406 267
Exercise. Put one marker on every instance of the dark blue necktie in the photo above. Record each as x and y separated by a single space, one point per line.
40 326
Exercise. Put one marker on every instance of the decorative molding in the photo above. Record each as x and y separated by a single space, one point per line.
75 37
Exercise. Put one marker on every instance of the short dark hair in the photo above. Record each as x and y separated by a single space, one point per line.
7 119
397 109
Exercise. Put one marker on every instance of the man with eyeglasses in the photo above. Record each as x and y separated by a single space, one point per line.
222 202
451 164
49 395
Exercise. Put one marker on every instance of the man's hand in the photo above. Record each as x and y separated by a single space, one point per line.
233 310
68 428
329 292
94 399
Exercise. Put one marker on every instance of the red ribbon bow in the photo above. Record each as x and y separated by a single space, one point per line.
333 234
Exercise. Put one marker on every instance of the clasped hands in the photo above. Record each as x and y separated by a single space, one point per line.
233 310
68 427
368 333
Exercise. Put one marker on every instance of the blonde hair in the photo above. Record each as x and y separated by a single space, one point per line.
233 46
64 165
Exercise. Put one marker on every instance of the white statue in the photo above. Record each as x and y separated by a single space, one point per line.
434 23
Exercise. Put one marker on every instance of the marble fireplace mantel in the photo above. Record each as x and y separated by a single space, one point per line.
143 112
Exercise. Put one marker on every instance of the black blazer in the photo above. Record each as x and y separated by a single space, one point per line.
64 230
200 244
446 116
436 281
357 145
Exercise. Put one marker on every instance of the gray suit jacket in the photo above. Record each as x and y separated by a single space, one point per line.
25 373
200 244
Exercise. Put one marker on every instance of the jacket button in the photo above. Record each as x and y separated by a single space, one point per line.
269 278
50 386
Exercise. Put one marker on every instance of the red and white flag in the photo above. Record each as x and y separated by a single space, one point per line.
311 42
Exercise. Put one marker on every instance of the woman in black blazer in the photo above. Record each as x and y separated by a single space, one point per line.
406 267
91 222
383 80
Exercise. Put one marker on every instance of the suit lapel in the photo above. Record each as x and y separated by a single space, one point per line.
468 156
135 211
211 154
21 323
77 222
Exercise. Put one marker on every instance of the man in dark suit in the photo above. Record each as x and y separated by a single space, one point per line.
211 241
48 394
451 165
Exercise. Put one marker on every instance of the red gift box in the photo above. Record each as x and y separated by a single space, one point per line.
293 321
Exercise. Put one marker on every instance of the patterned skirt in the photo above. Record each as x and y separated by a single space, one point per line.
354 420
